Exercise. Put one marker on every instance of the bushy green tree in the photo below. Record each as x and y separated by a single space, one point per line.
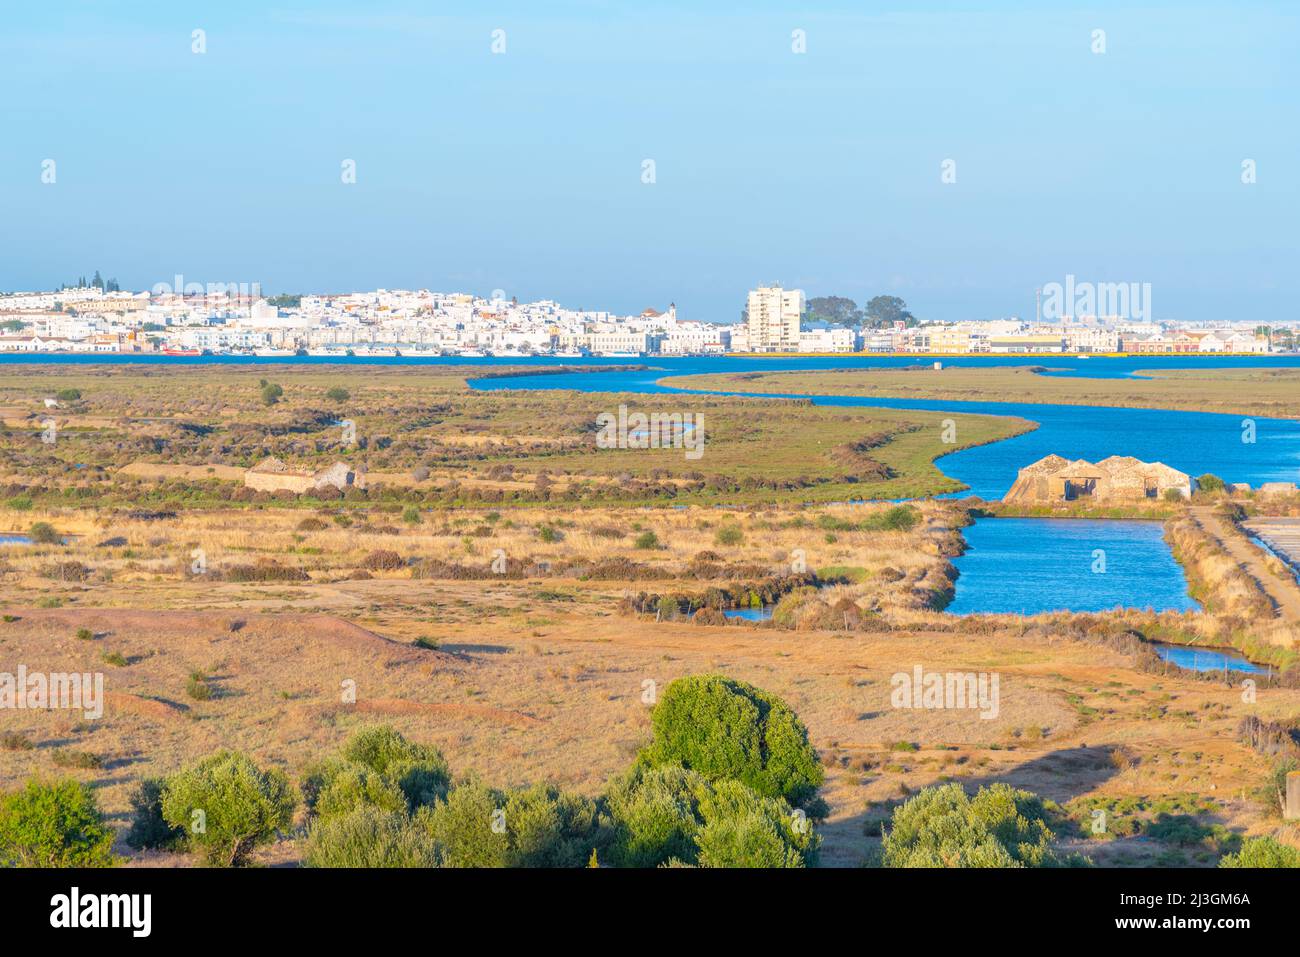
672 815
54 825
743 829
655 815
149 829
724 728
239 806
548 827
468 827
1210 482
539 826
419 770
344 786
379 767
369 836
943 827
1262 852
882 311
834 310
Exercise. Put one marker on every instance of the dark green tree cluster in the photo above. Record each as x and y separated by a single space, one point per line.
99 282
879 312
834 311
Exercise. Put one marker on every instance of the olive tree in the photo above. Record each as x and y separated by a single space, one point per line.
228 806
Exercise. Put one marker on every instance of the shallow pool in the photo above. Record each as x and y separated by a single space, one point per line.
1208 659
750 614
1031 565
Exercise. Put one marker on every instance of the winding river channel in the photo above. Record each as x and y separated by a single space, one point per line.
1193 442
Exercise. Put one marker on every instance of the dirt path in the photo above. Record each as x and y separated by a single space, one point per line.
1284 594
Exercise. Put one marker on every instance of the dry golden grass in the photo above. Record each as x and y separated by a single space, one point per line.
524 690
543 679
161 546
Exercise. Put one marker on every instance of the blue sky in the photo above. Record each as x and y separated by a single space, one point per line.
523 171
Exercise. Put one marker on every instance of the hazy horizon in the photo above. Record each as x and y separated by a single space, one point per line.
523 170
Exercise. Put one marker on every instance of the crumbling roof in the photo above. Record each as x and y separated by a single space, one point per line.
1050 463
275 466
1112 465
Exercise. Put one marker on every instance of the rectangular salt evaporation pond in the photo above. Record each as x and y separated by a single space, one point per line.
1030 565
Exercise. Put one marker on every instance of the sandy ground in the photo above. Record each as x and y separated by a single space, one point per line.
525 688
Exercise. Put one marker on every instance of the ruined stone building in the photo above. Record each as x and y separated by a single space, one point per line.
1120 478
272 475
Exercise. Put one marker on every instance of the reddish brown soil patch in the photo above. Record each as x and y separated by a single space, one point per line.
398 706
149 707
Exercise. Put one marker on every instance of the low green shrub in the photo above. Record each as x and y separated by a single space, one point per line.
670 815
943 827
729 534
1262 852
43 533
54 825
15 741
197 687
539 826
369 836
72 758
379 767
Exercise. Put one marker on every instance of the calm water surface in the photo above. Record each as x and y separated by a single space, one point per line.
750 614
1209 659
1031 565
1193 442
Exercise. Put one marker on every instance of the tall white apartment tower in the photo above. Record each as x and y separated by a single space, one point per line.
774 319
